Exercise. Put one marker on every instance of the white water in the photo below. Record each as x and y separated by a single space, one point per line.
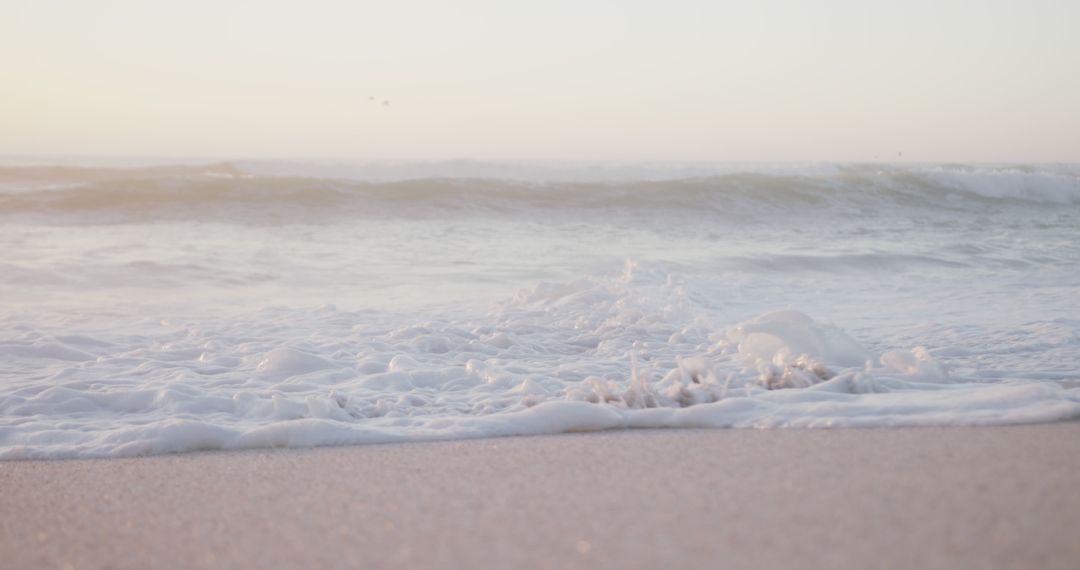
151 310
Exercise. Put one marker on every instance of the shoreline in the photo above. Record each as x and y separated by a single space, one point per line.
988 497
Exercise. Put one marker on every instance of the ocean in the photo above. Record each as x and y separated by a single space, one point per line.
157 308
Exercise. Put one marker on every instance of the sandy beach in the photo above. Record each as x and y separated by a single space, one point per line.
1004 497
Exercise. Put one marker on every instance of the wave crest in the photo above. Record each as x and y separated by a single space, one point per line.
208 190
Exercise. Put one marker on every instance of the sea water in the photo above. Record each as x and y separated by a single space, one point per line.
152 309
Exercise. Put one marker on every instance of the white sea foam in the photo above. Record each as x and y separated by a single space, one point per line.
166 309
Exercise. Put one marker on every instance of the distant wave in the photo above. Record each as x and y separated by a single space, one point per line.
208 190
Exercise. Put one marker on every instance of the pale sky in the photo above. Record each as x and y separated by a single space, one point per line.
632 80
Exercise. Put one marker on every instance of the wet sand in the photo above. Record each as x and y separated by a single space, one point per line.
1004 497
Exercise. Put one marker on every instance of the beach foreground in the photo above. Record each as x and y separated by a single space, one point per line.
1002 497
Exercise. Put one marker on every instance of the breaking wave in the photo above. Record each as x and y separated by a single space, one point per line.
226 189
160 309
625 352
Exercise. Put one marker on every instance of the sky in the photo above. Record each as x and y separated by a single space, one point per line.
771 80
